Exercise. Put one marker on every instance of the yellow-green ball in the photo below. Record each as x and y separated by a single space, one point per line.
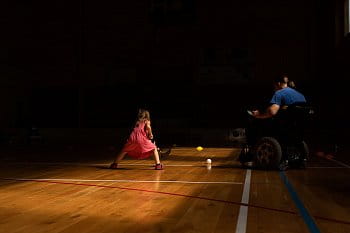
199 148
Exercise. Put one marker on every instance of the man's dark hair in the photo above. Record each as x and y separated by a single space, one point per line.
281 79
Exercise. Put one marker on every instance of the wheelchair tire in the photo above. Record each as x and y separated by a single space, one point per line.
304 152
244 156
297 154
267 153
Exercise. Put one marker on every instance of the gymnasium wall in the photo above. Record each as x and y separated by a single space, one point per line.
194 64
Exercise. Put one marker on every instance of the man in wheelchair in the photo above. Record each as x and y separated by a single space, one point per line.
275 138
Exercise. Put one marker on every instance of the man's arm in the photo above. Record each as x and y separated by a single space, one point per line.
271 111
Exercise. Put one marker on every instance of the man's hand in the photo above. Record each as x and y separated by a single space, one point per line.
255 113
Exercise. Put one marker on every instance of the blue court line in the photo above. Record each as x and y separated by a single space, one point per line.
299 204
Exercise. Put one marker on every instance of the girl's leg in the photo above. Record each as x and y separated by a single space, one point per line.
119 157
156 156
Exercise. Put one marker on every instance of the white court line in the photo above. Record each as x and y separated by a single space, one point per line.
105 164
167 165
343 165
243 210
126 181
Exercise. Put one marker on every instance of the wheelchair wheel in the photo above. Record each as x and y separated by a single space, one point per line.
164 153
304 150
297 154
244 156
304 154
267 153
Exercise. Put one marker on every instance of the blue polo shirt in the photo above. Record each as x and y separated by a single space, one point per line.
287 96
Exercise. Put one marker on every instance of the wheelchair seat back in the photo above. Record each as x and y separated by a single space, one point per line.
292 121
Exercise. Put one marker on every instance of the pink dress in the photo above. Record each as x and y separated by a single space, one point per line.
138 145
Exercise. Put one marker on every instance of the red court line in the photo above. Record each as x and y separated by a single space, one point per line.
331 157
332 220
179 195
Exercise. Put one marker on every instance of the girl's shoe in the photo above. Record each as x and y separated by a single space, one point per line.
113 166
159 166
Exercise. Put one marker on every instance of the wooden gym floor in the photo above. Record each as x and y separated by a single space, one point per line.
48 195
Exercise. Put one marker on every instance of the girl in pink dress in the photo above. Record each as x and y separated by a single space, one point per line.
139 144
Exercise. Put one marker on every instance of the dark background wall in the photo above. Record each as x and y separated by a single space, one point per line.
194 64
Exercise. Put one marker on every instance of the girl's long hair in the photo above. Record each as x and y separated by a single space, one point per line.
143 114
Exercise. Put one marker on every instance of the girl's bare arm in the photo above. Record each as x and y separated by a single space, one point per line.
148 130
